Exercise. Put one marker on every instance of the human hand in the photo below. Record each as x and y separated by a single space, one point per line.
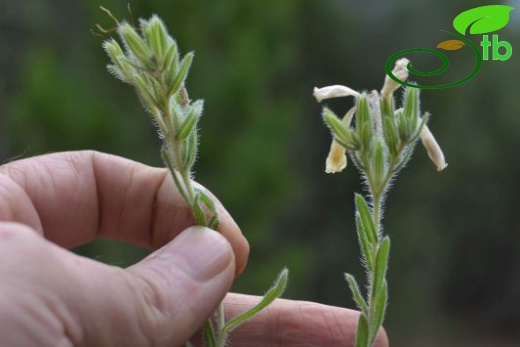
51 297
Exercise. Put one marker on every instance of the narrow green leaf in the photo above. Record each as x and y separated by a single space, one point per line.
209 334
173 172
356 293
198 211
273 293
207 201
483 19
381 265
214 222
189 151
362 332
181 74
366 247
366 219
379 312
210 204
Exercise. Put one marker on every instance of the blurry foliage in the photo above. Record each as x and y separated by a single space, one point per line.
262 137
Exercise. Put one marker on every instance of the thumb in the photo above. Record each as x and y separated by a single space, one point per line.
183 283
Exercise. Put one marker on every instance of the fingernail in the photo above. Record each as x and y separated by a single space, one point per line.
201 252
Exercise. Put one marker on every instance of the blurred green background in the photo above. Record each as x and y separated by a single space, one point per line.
455 266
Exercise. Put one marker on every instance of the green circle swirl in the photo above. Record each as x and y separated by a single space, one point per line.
445 64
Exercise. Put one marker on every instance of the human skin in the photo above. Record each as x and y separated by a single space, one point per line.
52 297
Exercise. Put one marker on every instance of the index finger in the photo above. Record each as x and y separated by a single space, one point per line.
74 197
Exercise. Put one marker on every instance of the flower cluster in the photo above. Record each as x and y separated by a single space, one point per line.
379 138
381 131
151 64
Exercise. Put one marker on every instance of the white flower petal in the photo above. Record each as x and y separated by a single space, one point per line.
433 149
335 91
401 72
337 159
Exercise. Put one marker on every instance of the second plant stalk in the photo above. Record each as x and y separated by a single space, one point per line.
379 142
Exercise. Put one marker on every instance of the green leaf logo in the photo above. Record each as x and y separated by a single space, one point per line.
482 20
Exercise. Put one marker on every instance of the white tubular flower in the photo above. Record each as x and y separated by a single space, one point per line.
401 72
335 91
433 149
337 158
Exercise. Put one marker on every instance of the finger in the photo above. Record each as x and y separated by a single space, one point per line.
63 297
74 197
288 323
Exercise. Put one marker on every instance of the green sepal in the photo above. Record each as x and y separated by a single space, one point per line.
365 137
403 129
356 293
424 120
366 219
411 109
156 35
121 68
362 111
366 247
362 332
364 125
342 134
171 62
135 44
113 49
406 154
387 107
191 120
273 293
390 132
181 74
378 161
149 96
